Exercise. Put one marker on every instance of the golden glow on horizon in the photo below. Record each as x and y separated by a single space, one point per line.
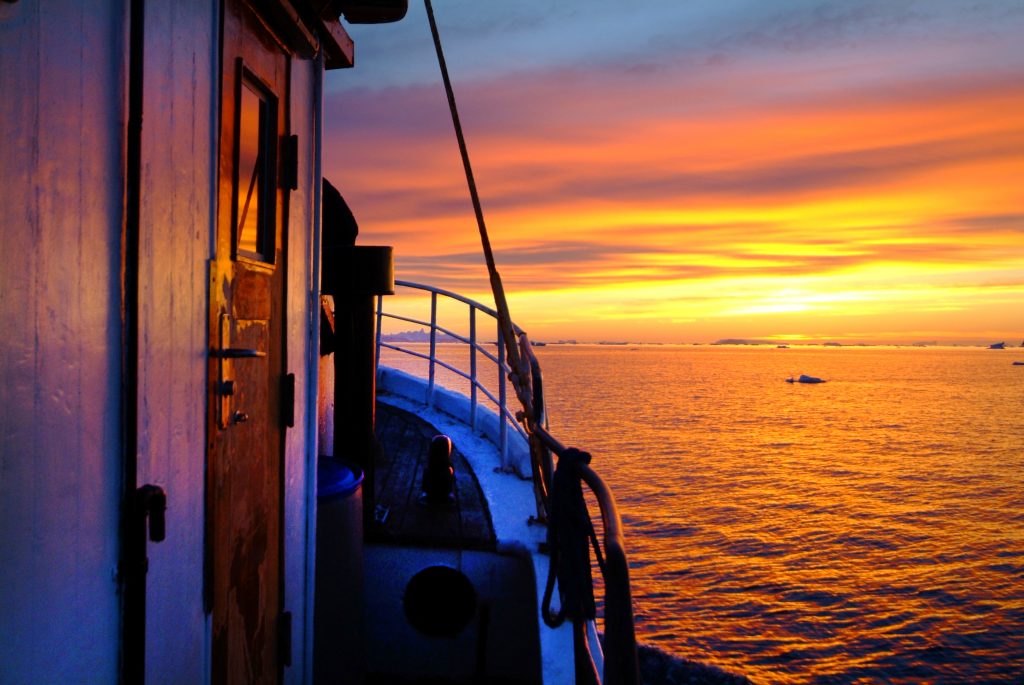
889 217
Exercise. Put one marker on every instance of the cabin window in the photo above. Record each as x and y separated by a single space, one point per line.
254 180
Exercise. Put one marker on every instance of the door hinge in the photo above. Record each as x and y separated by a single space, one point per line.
284 637
288 400
290 163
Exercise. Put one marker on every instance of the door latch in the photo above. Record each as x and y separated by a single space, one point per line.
225 386
151 505
238 353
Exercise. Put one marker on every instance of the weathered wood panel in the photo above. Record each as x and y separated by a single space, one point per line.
178 133
302 309
61 108
178 214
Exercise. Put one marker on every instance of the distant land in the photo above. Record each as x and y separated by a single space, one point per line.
420 336
830 343
743 341
423 336
747 341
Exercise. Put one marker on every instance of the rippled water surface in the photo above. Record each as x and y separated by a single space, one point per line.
868 529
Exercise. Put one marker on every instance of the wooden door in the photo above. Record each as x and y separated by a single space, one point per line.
247 359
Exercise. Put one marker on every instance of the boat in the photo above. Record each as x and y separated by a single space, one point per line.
497 456
997 346
174 379
1018 364
803 378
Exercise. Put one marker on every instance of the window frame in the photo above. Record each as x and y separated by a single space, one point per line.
266 159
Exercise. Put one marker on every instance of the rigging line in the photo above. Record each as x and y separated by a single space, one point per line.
501 304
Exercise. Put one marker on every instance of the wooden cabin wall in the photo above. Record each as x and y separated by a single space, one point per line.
63 74
179 186
303 308
61 111
179 138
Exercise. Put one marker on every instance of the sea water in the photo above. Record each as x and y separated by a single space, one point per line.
866 529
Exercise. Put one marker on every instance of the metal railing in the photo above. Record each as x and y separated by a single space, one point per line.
619 653
476 387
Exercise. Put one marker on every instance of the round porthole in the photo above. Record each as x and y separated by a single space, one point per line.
439 601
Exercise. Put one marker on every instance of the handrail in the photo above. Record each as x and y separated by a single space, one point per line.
507 413
620 659
506 416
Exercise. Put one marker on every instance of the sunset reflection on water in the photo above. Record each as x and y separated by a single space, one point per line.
868 529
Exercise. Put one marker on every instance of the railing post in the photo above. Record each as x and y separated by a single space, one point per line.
380 317
472 367
502 424
433 347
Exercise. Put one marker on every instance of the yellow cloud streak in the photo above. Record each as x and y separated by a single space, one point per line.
877 209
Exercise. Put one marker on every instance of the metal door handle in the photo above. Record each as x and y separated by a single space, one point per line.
238 353
225 387
151 502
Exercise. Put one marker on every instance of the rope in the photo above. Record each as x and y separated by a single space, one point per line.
570 534
570 529
517 348
501 304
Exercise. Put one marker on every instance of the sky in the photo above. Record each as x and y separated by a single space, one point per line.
689 171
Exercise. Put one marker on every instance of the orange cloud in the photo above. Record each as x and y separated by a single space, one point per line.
728 204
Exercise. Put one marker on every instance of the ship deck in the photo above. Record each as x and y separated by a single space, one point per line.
400 515
509 575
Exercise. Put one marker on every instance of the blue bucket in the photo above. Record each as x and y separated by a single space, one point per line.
336 478
338 644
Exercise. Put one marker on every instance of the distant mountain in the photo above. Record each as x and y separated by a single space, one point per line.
742 341
420 336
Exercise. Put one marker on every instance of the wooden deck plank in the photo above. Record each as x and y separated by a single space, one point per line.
403 449
405 442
